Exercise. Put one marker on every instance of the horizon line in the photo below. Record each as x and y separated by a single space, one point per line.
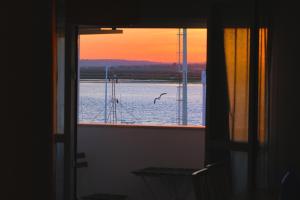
93 59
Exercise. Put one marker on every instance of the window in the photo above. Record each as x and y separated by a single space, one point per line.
137 76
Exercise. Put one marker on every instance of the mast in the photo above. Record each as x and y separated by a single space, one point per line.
203 80
184 78
179 87
78 78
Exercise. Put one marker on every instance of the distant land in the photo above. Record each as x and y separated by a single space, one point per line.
137 69
116 62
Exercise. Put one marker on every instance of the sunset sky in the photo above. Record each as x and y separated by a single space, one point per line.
159 45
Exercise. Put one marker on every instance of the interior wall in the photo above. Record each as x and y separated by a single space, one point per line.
26 112
149 13
42 141
113 152
285 91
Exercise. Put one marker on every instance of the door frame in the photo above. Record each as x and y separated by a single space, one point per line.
70 120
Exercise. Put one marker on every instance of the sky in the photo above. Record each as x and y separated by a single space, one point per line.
158 45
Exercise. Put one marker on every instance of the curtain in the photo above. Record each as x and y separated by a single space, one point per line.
237 59
262 156
228 84
263 85
217 102
237 51
237 48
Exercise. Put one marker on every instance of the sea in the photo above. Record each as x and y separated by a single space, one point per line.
132 102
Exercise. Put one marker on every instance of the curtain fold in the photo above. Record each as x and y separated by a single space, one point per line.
263 85
217 126
262 156
237 57
237 48
217 103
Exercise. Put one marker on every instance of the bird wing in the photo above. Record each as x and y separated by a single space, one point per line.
159 97
162 94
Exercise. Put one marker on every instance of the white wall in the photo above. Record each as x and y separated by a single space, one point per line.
113 152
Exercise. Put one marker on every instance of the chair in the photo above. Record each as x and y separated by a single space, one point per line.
218 181
290 186
219 185
212 182
200 183
80 163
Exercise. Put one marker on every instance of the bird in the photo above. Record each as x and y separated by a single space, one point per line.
158 98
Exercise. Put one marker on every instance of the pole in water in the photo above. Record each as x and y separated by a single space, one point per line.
78 78
203 80
184 77
179 104
105 100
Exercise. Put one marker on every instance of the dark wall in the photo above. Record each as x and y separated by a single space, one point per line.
131 12
149 12
42 154
285 96
26 111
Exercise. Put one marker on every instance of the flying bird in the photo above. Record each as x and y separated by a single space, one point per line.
158 98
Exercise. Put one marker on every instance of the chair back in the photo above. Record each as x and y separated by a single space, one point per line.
290 186
80 163
218 181
200 184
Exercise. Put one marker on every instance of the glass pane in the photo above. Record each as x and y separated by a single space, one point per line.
239 162
136 77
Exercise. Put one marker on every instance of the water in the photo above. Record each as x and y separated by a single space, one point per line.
136 102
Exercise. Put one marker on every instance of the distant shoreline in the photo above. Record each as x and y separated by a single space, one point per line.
138 70
137 81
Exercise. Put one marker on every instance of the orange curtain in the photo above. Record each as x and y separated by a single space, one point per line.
262 96
237 56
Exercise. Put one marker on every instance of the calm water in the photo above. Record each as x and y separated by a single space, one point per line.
135 102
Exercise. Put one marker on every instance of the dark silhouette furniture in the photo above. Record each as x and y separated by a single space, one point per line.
175 181
82 163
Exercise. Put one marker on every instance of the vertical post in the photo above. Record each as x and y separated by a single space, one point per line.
179 49
70 118
179 104
203 80
105 100
184 74
113 98
78 77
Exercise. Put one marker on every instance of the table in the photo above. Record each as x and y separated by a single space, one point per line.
177 181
